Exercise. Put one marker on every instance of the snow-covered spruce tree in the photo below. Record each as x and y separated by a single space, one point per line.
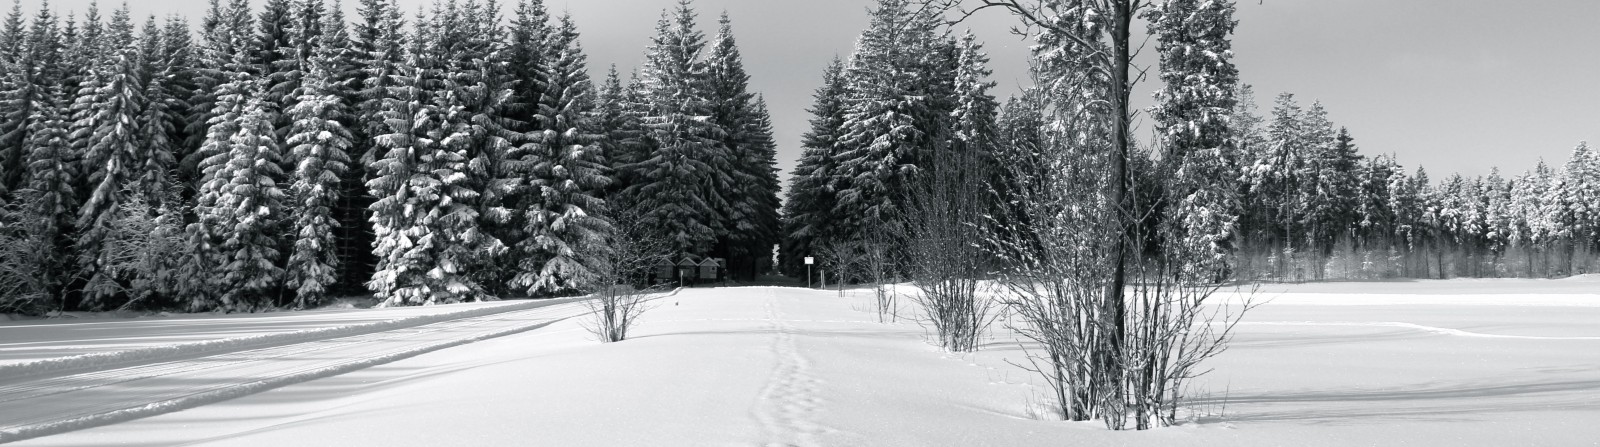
89 62
352 234
1499 224
562 212
761 162
225 32
1022 141
111 163
632 143
974 127
1327 192
1572 208
472 51
891 116
1274 177
252 211
13 36
750 214
1406 202
974 118
1196 141
426 217
675 182
203 264
49 197
1374 228
159 121
618 134
14 78
13 40
293 37
526 53
808 213
319 145
377 52
25 82
274 55
379 45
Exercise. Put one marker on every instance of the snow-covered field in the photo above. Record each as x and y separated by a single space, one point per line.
1476 362
28 341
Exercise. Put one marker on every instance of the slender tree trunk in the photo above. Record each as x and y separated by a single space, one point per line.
1122 21
1529 251
1438 249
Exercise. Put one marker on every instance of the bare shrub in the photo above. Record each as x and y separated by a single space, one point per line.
844 258
877 266
1171 326
621 280
22 281
142 247
947 257
1119 322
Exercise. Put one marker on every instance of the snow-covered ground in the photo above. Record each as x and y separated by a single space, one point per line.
33 340
1508 362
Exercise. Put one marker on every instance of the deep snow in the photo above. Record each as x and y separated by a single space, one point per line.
1331 364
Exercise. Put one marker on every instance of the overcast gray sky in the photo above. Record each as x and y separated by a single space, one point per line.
1456 86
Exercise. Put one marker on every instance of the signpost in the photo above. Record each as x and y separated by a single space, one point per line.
809 261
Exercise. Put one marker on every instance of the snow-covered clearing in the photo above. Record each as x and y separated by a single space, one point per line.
33 340
1367 364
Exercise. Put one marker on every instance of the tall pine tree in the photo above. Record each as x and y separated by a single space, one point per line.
426 216
319 145
113 153
675 182
1197 142
748 230
562 211
808 213
251 211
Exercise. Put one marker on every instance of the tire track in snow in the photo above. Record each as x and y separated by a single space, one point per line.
790 397
59 404
1412 326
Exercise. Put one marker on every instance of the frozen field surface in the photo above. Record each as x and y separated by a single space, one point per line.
1426 363
26 341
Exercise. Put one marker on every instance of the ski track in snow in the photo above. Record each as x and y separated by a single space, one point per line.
791 394
149 353
38 406
1412 326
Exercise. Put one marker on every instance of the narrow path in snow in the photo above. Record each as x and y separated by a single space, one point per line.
791 395
39 406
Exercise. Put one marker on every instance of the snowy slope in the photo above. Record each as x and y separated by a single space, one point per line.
774 366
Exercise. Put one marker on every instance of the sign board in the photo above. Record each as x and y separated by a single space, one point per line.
810 260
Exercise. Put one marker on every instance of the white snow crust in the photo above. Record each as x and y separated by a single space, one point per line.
783 366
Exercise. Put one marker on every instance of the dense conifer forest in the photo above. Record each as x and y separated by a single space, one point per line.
275 155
